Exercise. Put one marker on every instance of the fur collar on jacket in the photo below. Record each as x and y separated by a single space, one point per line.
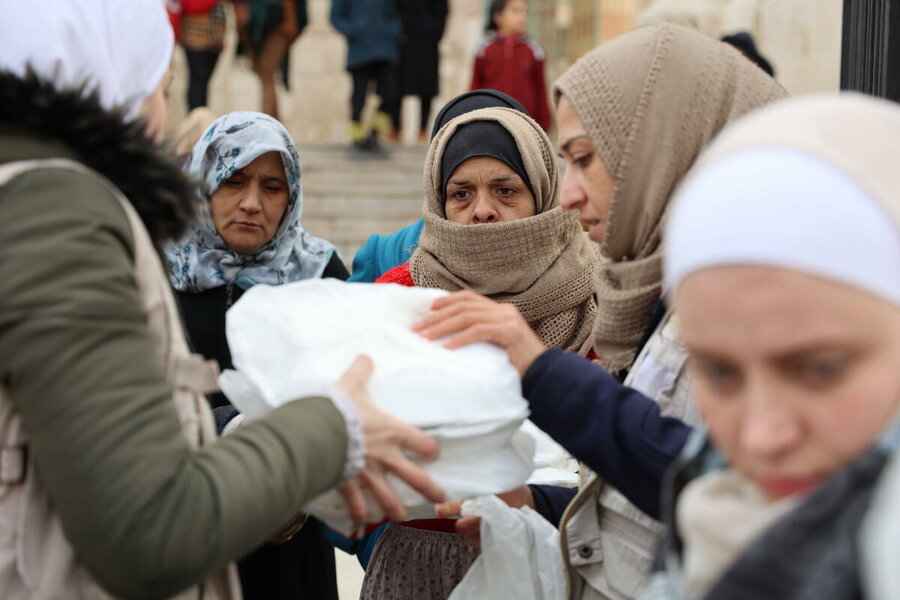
105 142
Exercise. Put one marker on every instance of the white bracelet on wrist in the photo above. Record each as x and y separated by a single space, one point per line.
356 443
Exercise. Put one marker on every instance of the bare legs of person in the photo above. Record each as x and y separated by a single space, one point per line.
273 52
266 65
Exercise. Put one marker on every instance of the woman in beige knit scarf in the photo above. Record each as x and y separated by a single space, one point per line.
493 226
632 116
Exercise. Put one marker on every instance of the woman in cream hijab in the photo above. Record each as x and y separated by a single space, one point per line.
632 117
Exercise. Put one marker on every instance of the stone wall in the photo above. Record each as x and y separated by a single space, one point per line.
802 38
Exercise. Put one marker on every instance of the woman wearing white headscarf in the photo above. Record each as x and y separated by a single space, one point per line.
783 257
112 482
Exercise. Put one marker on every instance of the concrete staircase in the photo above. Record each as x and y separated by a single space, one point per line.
345 201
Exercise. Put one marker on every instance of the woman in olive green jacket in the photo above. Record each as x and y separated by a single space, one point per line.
96 383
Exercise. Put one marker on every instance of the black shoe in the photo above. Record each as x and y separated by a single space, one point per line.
375 148
359 150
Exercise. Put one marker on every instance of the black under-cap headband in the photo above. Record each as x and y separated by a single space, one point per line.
474 100
481 138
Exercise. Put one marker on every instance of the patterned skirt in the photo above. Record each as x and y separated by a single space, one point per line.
416 564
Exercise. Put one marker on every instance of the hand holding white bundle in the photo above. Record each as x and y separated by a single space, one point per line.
291 341
385 438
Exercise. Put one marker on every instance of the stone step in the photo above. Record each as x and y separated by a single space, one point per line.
382 169
352 209
337 183
346 200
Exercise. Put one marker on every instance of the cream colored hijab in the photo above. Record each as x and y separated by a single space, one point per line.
541 264
651 100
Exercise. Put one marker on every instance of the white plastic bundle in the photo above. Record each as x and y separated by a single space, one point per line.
520 555
291 341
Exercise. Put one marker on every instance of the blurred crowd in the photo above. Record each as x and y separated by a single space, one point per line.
392 53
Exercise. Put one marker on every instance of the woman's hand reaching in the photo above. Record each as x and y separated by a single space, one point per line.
469 317
469 526
387 439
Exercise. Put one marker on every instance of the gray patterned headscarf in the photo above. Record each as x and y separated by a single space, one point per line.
202 260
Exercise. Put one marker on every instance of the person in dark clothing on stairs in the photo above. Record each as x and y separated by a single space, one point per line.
373 30
423 27
251 233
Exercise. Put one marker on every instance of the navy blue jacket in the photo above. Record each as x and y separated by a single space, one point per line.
372 28
615 430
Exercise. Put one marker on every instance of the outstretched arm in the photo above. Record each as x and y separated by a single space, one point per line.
146 513
615 430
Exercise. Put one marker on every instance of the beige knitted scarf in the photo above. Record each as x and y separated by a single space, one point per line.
650 101
542 264
718 515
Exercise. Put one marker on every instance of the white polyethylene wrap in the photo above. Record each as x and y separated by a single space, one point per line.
290 341
520 555
880 536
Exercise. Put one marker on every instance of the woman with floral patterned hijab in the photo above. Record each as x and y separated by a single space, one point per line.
236 241
249 232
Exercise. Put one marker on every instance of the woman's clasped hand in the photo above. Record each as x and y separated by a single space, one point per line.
469 526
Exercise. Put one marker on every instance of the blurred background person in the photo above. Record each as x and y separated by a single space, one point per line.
418 75
743 41
248 231
373 30
200 29
267 29
511 62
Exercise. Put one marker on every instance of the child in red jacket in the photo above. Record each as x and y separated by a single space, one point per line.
511 62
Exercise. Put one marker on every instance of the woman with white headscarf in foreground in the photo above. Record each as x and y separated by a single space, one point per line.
112 481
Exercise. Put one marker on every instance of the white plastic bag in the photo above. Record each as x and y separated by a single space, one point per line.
552 464
291 341
520 555
880 535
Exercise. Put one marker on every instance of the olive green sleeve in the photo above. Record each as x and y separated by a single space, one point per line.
146 514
